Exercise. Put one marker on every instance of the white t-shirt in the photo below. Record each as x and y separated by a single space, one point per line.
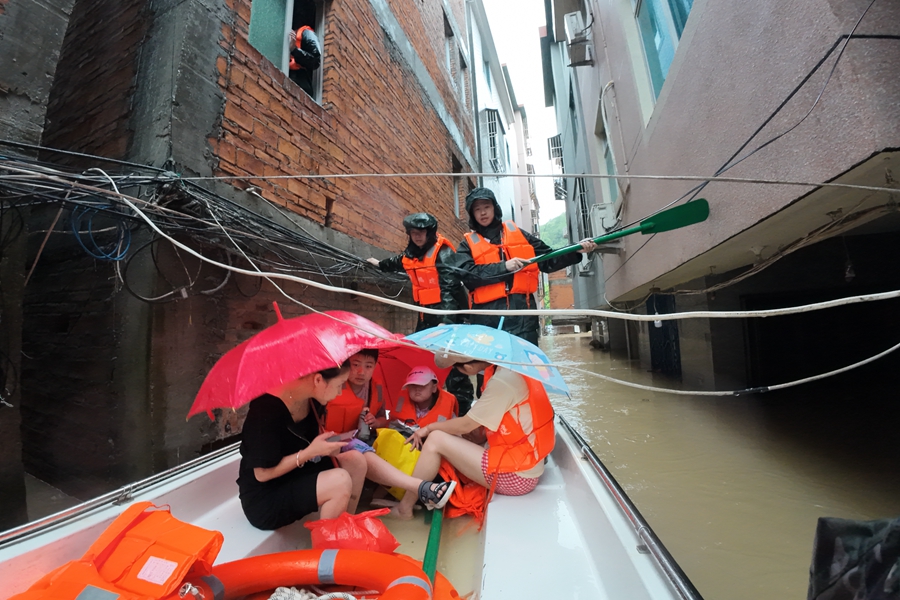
503 391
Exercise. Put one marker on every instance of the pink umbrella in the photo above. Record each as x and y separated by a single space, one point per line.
289 349
394 364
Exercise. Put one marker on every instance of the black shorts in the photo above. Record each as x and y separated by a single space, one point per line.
285 499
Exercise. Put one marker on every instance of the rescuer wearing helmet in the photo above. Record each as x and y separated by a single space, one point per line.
492 263
427 260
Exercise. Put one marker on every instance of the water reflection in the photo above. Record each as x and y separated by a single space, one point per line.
733 486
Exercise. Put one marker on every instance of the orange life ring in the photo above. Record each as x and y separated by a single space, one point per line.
394 577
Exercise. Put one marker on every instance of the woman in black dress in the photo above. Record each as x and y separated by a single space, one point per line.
285 471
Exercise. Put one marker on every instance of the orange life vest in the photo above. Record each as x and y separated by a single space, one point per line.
510 449
512 245
423 273
342 413
144 553
298 37
444 409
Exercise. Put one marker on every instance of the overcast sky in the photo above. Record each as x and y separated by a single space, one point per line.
514 26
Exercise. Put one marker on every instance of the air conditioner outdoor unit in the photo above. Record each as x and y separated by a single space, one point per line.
599 226
581 49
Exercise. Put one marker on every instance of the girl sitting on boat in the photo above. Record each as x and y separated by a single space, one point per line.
282 475
518 419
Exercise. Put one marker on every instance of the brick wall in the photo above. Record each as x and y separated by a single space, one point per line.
91 99
374 118
561 293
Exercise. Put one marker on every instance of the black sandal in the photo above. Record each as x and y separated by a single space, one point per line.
437 497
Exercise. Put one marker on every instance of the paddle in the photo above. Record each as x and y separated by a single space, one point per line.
429 562
673 218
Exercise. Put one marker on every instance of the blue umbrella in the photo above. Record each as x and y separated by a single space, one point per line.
494 346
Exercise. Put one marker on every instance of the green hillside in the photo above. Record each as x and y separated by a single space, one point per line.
554 232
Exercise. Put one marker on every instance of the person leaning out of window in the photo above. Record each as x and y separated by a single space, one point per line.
306 57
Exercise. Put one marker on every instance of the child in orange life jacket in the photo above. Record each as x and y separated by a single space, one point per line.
423 402
427 260
518 419
362 397
362 400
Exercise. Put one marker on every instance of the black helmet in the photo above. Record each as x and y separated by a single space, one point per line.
420 221
478 194
482 193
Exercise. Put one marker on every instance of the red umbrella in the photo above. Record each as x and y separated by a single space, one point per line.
394 364
289 349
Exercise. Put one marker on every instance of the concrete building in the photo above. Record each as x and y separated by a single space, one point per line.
200 88
497 118
764 90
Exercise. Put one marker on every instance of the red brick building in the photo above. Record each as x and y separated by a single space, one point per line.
180 87
561 294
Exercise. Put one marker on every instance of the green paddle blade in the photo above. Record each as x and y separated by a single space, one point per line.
676 218
673 218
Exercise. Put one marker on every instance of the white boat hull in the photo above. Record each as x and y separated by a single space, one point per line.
569 538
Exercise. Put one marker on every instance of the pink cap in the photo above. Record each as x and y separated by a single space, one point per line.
420 376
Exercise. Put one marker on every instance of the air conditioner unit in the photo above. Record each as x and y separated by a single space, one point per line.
599 224
581 49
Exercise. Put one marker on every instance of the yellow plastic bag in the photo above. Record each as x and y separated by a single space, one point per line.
392 447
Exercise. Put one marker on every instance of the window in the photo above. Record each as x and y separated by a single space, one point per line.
462 77
271 23
532 191
610 186
554 148
573 116
583 206
525 134
458 184
455 62
661 23
495 141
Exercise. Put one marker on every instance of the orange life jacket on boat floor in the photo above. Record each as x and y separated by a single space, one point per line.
423 273
144 553
513 244
342 413
444 409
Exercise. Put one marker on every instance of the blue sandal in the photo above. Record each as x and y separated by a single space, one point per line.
437 497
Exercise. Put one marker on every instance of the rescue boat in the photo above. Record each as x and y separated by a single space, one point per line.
577 535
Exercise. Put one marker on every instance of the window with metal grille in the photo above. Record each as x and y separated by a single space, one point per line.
495 142
532 191
525 133
555 149
583 205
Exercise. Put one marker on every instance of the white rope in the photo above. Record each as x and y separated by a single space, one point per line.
284 593
851 186
699 314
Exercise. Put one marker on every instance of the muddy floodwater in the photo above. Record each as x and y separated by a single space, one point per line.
733 486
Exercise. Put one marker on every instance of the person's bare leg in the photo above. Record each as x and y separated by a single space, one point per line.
382 472
462 454
333 492
354 463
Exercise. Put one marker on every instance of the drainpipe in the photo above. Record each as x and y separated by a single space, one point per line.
473 75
